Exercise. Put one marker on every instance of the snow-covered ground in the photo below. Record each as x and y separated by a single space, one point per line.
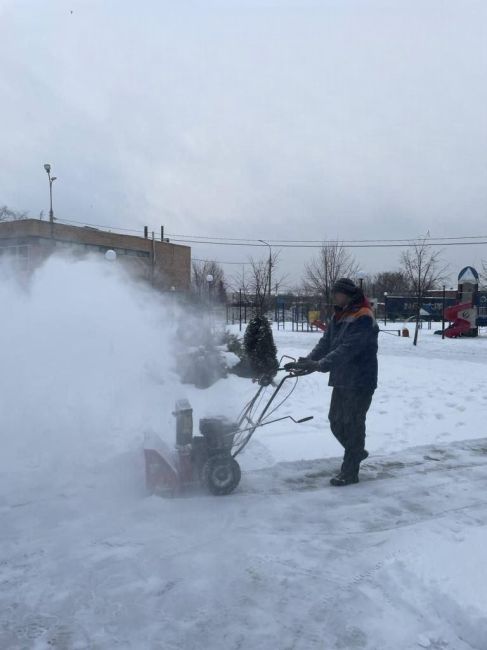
88 561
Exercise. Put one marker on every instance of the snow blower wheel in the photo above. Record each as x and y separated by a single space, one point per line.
221 474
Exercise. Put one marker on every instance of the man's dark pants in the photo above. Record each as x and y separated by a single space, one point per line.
348 412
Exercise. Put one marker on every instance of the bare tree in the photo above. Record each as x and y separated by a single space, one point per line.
199 279
392 282
255 281
332 262
7 214
424 271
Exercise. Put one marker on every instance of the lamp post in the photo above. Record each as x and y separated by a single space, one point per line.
361 278
47 167
209 279
240 309
270 267
385 308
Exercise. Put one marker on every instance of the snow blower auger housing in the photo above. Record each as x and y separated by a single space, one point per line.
208 459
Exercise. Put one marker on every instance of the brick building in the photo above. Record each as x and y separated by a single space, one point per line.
29 242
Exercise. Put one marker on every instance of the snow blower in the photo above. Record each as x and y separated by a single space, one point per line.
209 459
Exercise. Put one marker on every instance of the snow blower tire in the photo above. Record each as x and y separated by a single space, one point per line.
221 474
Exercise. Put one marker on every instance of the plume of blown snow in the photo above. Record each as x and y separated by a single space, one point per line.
85 369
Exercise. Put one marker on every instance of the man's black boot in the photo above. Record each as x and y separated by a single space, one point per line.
348 474
342 479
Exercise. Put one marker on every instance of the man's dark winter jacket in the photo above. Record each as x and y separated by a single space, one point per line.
348 348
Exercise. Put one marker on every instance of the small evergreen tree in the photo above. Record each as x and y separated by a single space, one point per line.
260 348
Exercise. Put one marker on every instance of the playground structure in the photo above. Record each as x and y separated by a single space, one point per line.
464 309
470 312
288 312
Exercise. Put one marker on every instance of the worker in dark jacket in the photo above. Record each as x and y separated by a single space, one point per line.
348 351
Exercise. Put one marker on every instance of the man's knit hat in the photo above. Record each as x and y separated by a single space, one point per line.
346 286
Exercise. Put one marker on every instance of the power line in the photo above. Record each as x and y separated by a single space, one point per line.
469 240
98 225
411 244
322 242
196 259
221 238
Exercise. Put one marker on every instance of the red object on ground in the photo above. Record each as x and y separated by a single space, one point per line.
459 326
161 471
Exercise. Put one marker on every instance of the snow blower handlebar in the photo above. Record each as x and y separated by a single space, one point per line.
291 368
295 368
264 424
254 423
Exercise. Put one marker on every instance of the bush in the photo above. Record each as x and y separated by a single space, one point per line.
260 349
234 344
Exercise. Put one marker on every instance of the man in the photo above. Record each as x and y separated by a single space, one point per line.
348 351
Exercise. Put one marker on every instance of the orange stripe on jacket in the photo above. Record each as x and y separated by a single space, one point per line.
351 315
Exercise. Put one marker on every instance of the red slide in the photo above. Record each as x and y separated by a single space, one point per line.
459 326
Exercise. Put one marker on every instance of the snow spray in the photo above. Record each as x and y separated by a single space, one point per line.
85 367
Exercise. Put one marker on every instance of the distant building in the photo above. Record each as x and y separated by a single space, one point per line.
28 242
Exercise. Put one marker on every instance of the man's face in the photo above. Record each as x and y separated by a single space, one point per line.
341 299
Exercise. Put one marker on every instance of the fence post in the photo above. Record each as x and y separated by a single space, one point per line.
443 313
240 308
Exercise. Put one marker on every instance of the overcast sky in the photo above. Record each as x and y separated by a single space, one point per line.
281 119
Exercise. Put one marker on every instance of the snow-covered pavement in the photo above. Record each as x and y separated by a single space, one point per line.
88 561
286 562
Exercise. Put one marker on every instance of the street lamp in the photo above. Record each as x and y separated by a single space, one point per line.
270 266
47 167
209 279
361 278
385 308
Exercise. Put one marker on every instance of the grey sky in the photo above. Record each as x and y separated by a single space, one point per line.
274 120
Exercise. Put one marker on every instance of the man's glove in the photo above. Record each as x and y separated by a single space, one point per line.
292 365
308 365
303 364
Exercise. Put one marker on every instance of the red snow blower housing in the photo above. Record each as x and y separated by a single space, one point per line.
209 459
